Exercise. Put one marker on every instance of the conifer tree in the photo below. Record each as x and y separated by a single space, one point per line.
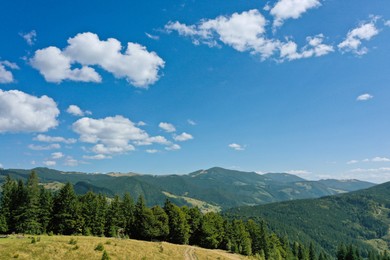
115 219
67 218
46 209
128 213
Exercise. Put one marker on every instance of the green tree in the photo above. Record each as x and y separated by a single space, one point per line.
128 213
115 219
160 225
29 207
179 230
45 209
67 218
212 230
8 202
194 220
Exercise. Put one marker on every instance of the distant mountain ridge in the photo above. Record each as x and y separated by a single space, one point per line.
215 187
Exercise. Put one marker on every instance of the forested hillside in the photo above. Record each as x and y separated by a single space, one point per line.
30 209
215 188
361 218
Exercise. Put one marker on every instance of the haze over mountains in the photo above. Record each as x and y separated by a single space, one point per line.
213 189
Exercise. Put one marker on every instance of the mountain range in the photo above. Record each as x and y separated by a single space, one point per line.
211 190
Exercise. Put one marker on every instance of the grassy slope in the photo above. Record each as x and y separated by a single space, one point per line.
58 247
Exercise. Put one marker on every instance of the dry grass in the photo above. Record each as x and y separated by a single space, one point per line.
59 247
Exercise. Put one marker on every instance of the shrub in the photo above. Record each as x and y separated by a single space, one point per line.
105 255
99 247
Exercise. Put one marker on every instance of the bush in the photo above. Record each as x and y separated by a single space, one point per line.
72 241
33 240
99 247
105 255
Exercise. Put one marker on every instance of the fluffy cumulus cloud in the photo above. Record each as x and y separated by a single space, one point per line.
353 41
30 37
76 111
6 75
97 157
364 97
183 137
167 127
286 9
314 47
246 32
54 139
236 147
137 65
114 135
21 112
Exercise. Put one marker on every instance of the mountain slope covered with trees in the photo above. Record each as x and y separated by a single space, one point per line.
361 218
212 188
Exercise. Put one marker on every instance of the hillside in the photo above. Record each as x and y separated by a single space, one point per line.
361 218
58 247
212 188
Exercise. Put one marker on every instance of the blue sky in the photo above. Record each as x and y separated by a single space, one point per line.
166 87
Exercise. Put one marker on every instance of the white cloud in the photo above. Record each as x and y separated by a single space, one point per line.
152 151
183 137
1 166
380 159
242 31
97 157
364 97
286 9
298 172
70 161
173 147
55 67
236 147
352 161
49 163
76 111
387 23
377 175
54 139
114 135
6 76
153 37
21 112
57 155
137 65
314 47
141 123
30 37
246 32
191 122
167 127
44 147
354 38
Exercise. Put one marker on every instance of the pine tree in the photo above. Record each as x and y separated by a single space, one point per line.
29 207
115 219
128 213
160 225
312 252
7 203
67 218
46 209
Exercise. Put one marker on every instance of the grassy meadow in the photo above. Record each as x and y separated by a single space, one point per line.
83 247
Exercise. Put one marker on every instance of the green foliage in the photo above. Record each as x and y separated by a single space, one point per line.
105 255
352 218
179 230
72 241
99 247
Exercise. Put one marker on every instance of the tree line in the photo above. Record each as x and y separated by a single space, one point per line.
29 208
